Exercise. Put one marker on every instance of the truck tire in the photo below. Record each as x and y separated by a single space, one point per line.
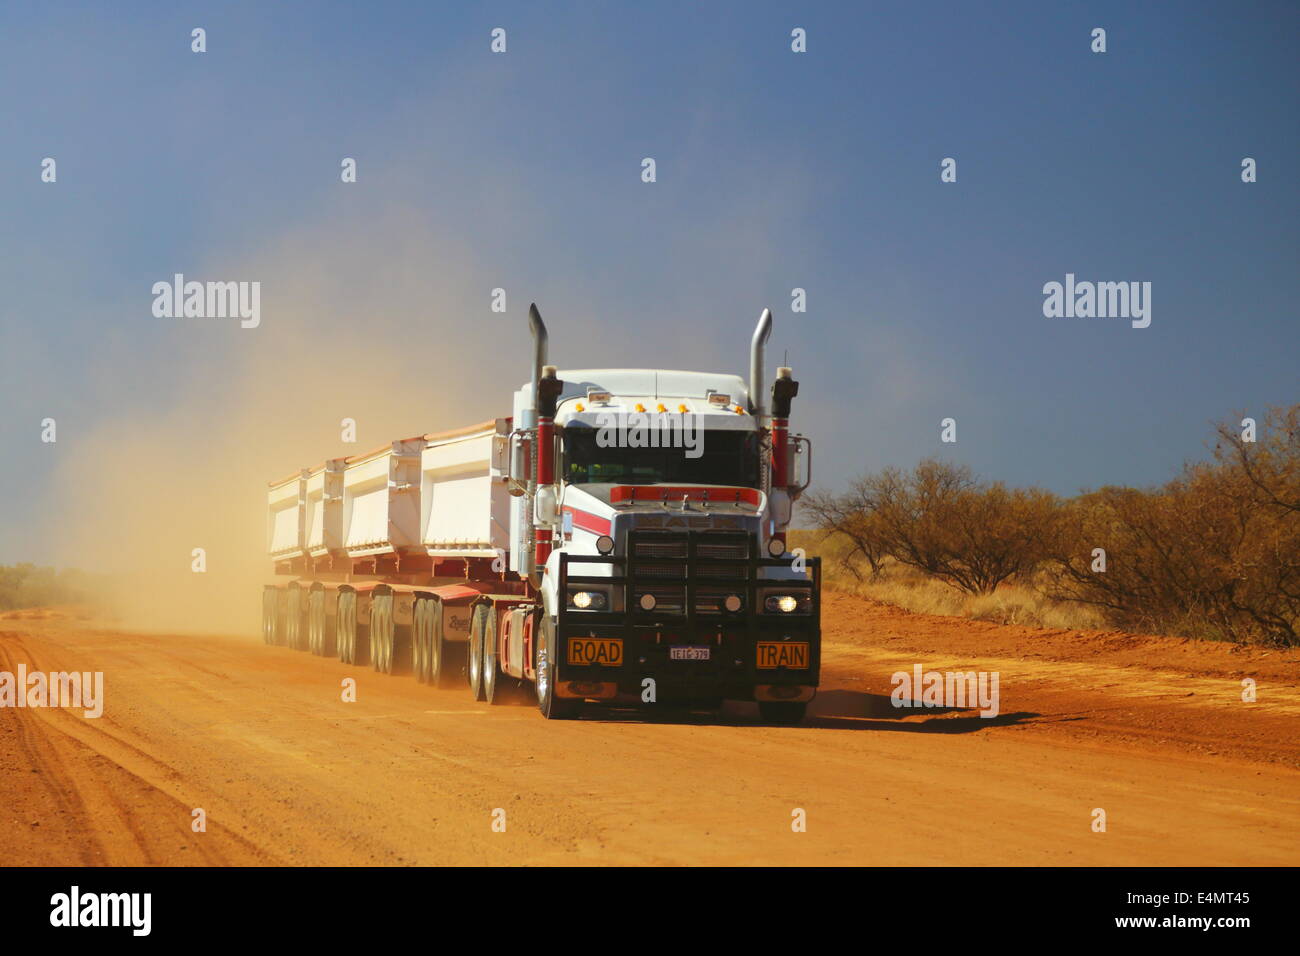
551 706
281 617
329 624
419 641
315 621
445 660
491 670
268 615
294 637
346 627
474 671
782 711
382 633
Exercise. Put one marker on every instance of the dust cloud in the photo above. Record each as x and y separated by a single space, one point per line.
364 329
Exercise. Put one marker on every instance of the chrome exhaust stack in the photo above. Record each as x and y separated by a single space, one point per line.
757 357
540 341
527 559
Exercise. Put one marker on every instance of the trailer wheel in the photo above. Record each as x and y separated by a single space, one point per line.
381 633
491 671
294 637
445 659
346 627
552 707
329 623
316 622
477 625
313 643
418 641
782 711
268 615
281 617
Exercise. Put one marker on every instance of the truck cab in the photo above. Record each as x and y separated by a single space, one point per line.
651 514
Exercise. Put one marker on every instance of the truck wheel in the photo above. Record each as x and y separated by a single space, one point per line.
491 671
381 634
552 707
782 711
293 619
268 615
313 623
476 626
419 641
345 627
445 659
330 624
281 617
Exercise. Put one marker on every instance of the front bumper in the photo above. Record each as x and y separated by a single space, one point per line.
751 655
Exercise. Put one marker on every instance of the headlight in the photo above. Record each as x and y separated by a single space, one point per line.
604 544
588 600
732 603
786 603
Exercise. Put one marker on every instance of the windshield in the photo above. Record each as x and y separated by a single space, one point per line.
717 458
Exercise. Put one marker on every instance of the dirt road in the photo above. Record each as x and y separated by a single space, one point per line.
1151 730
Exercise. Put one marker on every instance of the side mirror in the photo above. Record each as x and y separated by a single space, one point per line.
520 459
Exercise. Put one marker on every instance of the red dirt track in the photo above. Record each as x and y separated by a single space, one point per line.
1152 730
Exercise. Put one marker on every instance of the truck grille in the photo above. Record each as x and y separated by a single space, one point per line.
659 549
736 550
672 600
660 570
732 547
662 563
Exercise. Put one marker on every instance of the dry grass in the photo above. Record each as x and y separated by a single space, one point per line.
1016 602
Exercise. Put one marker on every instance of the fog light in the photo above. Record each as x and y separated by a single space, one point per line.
648 602
604 544
732 603
776 547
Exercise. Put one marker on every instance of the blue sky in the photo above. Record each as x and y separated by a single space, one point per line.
522 170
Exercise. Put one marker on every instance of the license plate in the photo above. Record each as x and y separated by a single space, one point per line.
596 650
774 654
688 653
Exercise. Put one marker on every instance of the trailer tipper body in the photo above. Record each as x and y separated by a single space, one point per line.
619 538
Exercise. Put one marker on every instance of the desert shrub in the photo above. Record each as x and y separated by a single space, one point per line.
1213 553
26 585
939 519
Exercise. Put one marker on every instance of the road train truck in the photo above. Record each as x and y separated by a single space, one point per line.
620 538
